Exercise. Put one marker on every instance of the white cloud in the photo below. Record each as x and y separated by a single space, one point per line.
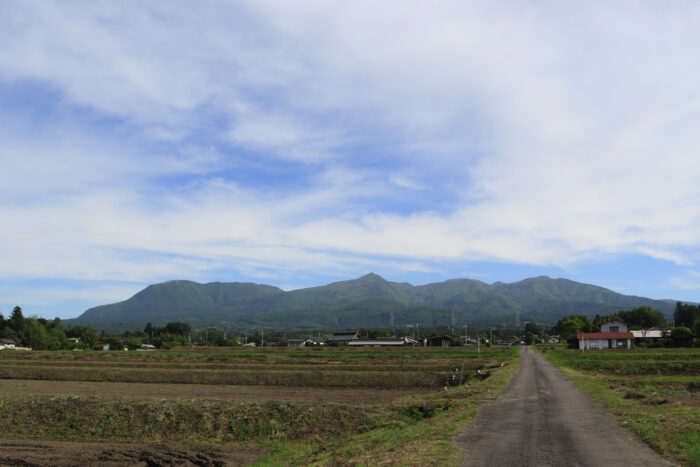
531 133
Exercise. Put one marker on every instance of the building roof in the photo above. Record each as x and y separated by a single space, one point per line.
606 335
378 342
344 336
649 333
7 342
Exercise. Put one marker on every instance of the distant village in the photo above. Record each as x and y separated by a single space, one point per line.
643 327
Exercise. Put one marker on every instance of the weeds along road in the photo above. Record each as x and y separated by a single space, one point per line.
541 419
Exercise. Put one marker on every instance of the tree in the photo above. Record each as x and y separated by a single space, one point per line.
567 328
87 335
16 319
33 333
686 315
178 329
531 328
643 317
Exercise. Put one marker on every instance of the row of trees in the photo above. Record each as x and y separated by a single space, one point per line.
42 334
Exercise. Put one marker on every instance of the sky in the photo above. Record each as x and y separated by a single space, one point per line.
305 142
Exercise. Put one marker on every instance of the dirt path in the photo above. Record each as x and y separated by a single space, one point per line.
66 453
541 419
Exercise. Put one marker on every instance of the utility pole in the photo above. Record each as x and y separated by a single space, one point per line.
466 333
453 319
262 338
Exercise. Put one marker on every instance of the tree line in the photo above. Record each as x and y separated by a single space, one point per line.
42 334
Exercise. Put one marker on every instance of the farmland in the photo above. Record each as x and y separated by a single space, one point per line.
276 405
655 393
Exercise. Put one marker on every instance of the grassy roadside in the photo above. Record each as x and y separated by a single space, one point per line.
417 430
671 429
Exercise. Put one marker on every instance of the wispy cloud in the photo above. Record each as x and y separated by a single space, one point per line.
146 142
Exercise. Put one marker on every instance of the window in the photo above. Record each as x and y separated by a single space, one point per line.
614 328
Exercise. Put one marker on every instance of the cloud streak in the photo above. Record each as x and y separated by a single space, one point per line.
142 142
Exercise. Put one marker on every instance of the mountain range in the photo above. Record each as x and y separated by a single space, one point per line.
369 301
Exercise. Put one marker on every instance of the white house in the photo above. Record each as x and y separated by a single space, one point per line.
7 344
613 335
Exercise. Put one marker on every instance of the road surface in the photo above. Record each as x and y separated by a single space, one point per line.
541 419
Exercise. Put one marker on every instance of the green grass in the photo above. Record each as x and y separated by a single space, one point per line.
658 409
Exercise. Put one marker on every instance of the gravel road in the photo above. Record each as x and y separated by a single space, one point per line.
541 419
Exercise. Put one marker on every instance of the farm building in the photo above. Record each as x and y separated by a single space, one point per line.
653 334
439 341
7 344
343 337
387 342
612 335
296 342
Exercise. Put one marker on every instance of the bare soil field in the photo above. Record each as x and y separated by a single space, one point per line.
69 453
170 407
355 396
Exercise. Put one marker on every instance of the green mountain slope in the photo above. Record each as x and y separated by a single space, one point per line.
369 301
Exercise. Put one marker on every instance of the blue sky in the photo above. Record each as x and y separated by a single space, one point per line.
300 143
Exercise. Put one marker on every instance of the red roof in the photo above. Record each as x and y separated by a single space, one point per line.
606 335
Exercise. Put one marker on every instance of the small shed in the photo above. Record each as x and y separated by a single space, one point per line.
439 341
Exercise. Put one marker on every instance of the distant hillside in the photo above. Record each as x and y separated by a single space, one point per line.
369 301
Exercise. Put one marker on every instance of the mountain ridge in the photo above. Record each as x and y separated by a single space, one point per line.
367 301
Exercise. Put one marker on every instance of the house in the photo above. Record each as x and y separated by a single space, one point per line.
343 337
613 335
7 344
296 342
315 341
74 340
553 340
274 342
